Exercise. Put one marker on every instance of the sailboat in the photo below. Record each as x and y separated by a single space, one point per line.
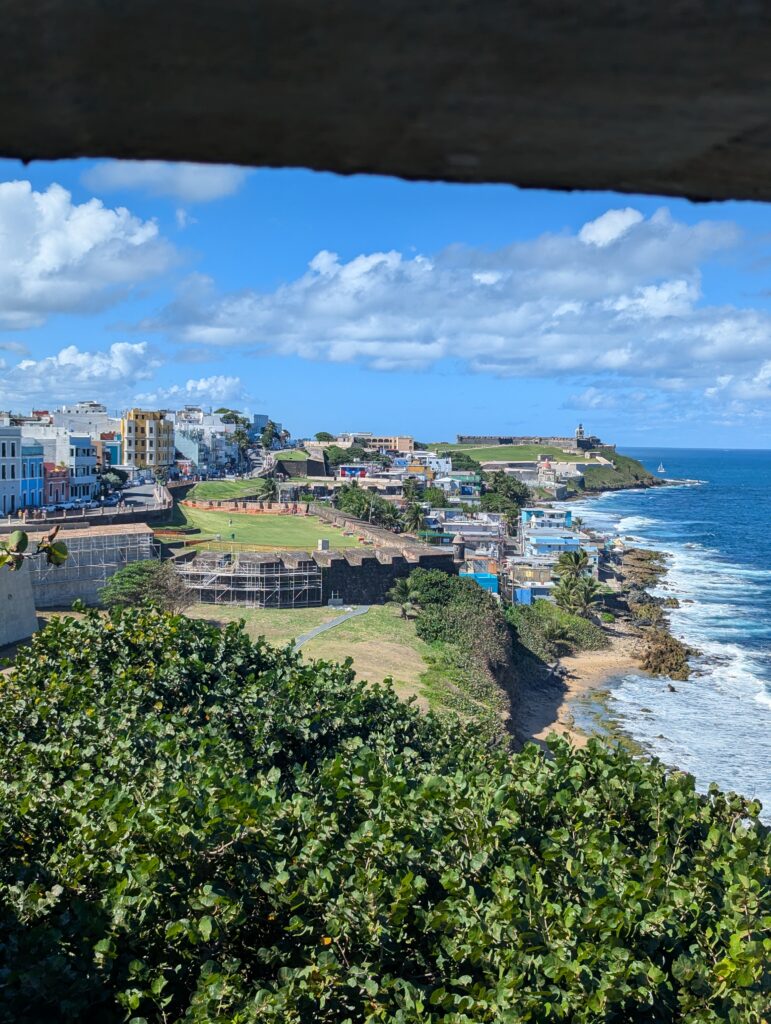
661 468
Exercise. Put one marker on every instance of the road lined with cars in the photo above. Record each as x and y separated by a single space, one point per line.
135 497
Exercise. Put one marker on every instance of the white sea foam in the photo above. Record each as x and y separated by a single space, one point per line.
717 724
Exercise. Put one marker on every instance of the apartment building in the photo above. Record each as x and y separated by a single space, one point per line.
89 418
10 468
56 483
31 492
62 447
148 439
377 442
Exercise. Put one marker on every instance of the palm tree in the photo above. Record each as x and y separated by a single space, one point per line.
572 564
401 594
414 518
270 490
565 594
578 522
587 595
576 595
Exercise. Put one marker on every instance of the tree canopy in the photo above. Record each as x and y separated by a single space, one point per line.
200 828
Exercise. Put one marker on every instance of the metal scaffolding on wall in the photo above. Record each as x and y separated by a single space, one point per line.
253 580
95 557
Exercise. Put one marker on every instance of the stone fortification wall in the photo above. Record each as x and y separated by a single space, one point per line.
376 534
249 505
365 577
17 606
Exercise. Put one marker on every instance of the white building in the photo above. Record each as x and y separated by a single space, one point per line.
10 468
75 451
89 418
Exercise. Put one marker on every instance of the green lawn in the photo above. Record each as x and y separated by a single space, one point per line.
264 530
224 490
516 453
292 455
381 644
278 625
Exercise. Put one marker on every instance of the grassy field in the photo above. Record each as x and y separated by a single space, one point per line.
224 490
381 644
278 625
515 453
292 455
262 531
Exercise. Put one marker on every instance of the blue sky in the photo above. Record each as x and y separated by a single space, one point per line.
366 303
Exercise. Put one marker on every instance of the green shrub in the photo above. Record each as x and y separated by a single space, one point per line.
607 617
547 631
198 828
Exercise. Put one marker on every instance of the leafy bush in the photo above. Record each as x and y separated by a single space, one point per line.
547 631
607 617
147 582
197 828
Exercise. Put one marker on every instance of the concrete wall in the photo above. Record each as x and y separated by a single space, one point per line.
17 607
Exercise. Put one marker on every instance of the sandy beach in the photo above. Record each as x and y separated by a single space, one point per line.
545 701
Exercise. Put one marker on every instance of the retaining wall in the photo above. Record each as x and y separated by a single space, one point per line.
17 607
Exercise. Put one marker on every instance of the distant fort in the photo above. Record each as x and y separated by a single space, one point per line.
580 442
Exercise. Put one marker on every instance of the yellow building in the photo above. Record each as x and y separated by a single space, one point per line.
148 439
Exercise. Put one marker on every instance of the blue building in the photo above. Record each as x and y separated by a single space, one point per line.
486 580
558 518
31 492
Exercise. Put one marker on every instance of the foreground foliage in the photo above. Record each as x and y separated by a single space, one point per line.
200 828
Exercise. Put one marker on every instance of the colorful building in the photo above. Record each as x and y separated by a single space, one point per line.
10 468
148 440
31 495
56 483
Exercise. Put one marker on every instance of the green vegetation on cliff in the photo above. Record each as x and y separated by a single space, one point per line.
197 828
626 472
548 632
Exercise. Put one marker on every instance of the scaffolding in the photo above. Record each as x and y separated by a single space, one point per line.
93 556
254 579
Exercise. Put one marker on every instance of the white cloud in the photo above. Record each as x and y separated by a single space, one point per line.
215 390
71 373
188 183
618 301
609 227
60 257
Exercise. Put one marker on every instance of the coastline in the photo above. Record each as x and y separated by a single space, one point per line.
546 700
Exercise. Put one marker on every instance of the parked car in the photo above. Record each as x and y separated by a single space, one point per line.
111 500
51 508
66 506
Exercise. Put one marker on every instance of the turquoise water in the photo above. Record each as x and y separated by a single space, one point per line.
717 725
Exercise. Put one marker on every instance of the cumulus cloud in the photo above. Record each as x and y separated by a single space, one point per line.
215 390
618 302
188 183
72 372
609 227
60 257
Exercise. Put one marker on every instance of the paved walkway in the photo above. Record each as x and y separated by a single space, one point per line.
361 610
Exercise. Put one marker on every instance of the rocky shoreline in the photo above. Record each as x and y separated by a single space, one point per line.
640 643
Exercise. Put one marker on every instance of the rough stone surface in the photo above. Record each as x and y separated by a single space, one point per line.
667 97
17 607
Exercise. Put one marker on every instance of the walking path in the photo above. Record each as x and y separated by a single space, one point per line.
361 610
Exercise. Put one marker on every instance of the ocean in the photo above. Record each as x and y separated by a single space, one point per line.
717 725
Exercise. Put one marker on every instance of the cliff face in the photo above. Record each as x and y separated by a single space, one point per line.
627 473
